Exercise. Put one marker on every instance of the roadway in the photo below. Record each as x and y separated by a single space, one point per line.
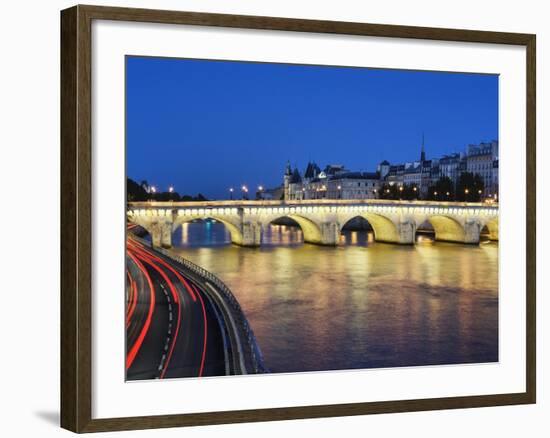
172 325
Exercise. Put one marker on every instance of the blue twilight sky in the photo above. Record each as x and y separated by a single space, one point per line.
205 126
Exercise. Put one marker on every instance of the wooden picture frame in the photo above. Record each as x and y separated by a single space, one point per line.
76 217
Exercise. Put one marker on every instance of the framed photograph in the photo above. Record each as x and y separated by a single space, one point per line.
270 218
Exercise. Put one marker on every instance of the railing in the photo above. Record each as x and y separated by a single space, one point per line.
234 306
236 310
268 203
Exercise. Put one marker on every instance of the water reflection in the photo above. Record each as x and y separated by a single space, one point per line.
283 235
361 304
201 233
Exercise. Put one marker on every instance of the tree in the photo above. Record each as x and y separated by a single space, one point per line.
167 196
388 191
397 192
188 198
410 192
469 187
442 190
135 192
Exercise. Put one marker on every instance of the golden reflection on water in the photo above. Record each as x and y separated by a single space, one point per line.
185 233
360 304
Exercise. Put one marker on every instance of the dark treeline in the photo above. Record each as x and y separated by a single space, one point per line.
469 188
137 192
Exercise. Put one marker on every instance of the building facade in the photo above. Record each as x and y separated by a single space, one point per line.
337 182
481 160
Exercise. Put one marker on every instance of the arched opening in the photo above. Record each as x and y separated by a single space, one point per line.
282 231
137 230
383 228
310 230
484 234
156 232
425 233
491 230
447 229
357 231
207 231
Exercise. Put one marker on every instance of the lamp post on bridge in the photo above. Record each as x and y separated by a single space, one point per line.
231 193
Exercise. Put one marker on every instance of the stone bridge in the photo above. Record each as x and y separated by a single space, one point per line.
321 221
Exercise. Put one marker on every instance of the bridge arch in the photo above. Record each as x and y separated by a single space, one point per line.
310 229
159 227
234 230
385 230
492 228
447 228
146 225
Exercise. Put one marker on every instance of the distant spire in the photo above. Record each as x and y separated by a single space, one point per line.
288 170
422 151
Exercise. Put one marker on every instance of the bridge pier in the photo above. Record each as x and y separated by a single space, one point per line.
472 230
330 234
407 232
161 234
166 236
252 234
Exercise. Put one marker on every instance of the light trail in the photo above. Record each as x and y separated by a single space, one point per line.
150 260
139 341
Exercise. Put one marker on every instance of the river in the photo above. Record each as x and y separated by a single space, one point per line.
362 304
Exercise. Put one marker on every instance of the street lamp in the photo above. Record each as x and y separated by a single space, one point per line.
244 190
231 193
171 189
